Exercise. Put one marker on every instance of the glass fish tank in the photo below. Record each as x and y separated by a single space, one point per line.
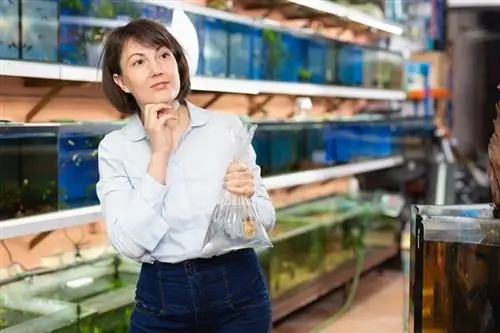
10 40
40 25
215 41
47 167
96 296
455 270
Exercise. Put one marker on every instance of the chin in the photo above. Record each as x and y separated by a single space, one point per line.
165 96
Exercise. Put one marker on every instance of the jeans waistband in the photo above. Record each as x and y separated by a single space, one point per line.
221 259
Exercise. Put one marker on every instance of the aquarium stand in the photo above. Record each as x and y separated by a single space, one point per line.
328 282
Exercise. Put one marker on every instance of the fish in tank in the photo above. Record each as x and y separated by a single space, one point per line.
28 171
10 39
40 25
77 163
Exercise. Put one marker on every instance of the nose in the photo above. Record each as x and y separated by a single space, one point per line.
156 69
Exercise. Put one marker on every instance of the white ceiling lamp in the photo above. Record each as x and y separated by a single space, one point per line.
185 32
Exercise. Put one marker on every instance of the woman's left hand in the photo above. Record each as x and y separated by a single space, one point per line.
239 180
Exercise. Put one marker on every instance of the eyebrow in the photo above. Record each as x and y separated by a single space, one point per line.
142 54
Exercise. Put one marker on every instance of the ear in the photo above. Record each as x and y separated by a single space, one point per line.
119 82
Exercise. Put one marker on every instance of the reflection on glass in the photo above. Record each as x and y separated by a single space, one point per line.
331 63
240 51
215 48
9 29
455 275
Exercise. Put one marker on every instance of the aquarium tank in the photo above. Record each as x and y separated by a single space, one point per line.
10 38
47 167
455 271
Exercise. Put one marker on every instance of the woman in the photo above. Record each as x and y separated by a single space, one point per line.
161 176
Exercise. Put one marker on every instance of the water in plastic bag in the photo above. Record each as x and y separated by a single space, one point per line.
235 222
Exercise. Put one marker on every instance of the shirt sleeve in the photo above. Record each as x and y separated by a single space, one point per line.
133 215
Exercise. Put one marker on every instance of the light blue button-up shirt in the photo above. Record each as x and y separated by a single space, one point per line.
149 221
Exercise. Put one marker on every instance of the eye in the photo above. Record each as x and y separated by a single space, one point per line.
138 62
165 55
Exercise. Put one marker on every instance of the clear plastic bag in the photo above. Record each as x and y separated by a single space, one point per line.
235 222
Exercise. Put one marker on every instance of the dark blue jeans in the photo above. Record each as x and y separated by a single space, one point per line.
225 294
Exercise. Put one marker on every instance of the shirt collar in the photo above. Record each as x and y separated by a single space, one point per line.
136 132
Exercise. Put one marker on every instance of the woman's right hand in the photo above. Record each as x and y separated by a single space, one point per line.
155 124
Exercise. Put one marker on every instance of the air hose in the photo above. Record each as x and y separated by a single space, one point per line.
360 260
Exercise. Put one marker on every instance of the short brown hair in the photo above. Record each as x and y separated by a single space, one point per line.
146 32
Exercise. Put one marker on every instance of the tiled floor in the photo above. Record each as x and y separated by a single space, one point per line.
382 311
378 307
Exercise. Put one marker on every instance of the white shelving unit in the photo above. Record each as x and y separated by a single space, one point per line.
80 216
350 14
39 70
473 3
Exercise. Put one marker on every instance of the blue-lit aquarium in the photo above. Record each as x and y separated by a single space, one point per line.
350 64
316 59
345 74
294 64
215 46
242 40
40 25
10 39
274 55
77 161
44 168
81 37
357 64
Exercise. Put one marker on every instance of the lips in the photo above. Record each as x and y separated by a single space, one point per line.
160 85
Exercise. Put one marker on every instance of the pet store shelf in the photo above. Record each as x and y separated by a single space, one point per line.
235 86
79 216
311 176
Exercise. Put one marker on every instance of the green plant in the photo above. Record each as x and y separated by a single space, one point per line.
3 322
72 5
276 52
304 74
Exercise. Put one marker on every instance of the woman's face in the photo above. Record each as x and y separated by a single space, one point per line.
150 74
